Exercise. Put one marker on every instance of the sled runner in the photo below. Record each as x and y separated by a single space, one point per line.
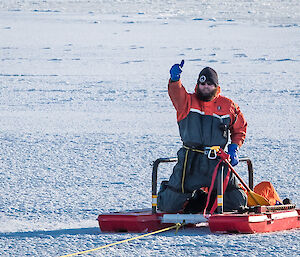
260 216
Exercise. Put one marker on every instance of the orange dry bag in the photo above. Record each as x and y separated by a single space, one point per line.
267 190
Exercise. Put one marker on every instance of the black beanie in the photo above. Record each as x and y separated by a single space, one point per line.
208 74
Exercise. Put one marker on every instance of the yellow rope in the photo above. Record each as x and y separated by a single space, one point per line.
194 150
176 226
185 163
184 169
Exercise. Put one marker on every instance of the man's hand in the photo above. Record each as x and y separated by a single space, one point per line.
176 70
232 151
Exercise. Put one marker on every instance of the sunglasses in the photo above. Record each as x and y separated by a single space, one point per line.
207 82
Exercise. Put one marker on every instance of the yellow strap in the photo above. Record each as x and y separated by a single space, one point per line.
192 149
176 226
185 162
216 147
184 170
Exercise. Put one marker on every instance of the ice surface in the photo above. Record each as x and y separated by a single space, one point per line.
84 111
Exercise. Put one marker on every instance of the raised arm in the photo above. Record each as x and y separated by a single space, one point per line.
177 93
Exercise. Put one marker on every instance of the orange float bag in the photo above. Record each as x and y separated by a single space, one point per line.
266 189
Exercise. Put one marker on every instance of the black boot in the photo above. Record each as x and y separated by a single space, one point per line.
197 202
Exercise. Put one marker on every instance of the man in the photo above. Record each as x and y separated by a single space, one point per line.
205 119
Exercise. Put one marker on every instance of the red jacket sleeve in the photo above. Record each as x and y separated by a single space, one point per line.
238 127
180 98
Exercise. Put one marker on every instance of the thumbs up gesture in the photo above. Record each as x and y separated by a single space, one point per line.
176 70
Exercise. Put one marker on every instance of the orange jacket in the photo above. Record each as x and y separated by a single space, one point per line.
220 105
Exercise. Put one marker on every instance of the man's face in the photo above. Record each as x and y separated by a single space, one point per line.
206 91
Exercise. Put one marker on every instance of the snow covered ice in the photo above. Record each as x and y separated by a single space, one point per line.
84 111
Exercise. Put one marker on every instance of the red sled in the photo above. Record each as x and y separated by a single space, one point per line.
257 219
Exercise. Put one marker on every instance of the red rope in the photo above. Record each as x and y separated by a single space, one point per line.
225 184
211 186
223 156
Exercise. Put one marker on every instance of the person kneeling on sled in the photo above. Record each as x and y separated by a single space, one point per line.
205 119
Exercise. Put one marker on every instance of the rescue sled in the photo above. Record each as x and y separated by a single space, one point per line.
254 219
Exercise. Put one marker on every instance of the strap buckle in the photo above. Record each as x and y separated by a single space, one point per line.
212 152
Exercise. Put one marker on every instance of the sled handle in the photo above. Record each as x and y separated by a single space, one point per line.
154 179
250 170
175 159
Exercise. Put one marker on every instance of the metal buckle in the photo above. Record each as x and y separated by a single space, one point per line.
212 152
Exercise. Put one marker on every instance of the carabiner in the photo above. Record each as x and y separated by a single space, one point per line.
212 153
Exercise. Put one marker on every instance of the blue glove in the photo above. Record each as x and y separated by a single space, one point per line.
176 70
232 151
